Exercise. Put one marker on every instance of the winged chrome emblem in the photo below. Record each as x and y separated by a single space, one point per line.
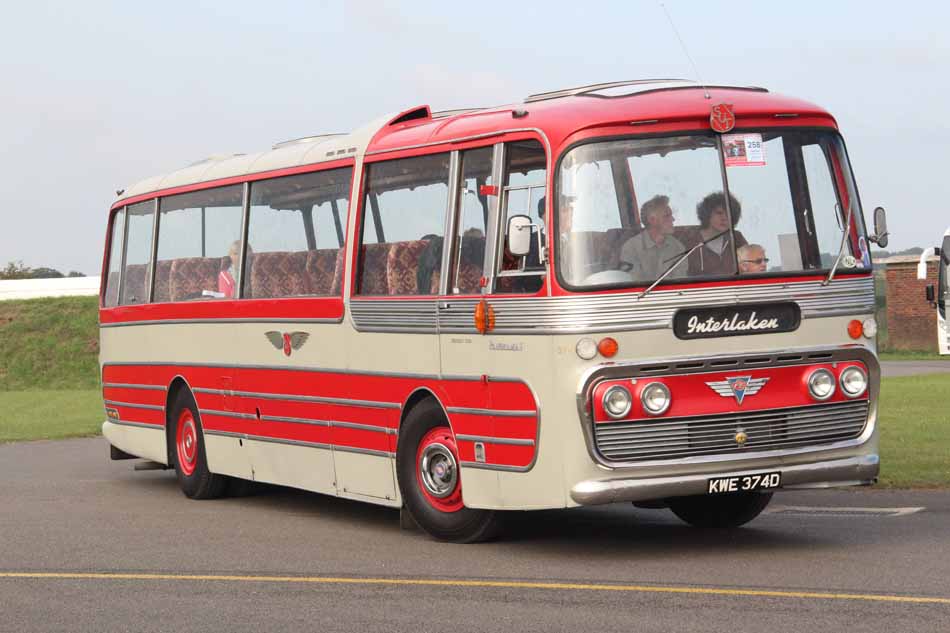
287 341
738 386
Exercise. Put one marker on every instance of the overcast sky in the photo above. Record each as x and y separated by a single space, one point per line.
97 95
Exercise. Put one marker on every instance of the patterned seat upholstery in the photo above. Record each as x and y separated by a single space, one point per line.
402 267
373 276
321 268
189 277
112 289
280 274
163 271
136 281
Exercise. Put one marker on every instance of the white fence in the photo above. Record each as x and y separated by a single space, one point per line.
59 287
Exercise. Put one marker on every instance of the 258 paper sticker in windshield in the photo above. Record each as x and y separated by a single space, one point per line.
743 150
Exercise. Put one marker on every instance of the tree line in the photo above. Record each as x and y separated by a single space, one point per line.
16 270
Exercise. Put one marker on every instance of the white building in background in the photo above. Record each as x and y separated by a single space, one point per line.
57 287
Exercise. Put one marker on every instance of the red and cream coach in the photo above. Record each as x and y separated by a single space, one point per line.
644 291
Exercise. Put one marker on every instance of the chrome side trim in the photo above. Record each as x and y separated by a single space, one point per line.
222 320
501 467
311 369
363 451
228 414
498 413
278 418
363 427
494 440
686 365
141 425
851 471
124 385
297 398
603 312
132 405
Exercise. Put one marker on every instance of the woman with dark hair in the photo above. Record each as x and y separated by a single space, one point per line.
716 256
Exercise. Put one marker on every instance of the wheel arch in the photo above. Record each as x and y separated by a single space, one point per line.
419 395
178 384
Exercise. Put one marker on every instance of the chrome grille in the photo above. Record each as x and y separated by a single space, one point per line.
715 435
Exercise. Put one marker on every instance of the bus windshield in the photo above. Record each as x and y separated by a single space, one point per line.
707 206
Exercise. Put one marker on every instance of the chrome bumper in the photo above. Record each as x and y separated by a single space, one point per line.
853 471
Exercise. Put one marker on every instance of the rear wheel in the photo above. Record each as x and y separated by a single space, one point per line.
720 511
188 451
427 468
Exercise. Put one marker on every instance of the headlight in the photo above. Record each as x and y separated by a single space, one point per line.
854 382
821 384
617 402
655 398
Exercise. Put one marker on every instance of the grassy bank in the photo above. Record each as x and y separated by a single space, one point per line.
910 355
915 431
49 344
48 415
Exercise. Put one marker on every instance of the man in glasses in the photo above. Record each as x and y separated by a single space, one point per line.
752 259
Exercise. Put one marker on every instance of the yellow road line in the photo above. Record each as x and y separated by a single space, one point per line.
497 584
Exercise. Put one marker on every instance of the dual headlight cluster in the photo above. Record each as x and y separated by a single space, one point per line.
654 397
822 383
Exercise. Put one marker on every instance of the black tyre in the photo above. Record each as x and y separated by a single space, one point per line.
187 450
429 479
720 511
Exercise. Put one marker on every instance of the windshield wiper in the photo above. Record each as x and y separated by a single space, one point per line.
844 240
679 260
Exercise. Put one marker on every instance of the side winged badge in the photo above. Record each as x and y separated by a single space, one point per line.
288 341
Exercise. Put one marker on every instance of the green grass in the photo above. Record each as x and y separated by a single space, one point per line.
912 355
47 415
915 431
49 344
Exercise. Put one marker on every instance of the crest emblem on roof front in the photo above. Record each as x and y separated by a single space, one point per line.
721 118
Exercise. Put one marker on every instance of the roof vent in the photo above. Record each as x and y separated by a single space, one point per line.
420 112
307 139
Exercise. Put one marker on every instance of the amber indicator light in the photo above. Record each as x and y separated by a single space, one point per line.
608 347
855 329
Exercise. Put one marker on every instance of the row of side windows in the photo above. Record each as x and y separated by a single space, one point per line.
296 229
295 242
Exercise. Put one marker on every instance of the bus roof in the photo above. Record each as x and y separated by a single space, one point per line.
557 115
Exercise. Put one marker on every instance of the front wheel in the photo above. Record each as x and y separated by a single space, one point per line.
187 451
427 467
720 511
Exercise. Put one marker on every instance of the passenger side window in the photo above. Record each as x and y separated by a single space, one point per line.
403 226
138 253
468 260
199 245
295 235
523 194
111 298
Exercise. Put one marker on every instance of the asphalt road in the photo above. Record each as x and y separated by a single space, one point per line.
132 553
914 367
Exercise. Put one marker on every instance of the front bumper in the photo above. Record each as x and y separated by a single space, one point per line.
852 471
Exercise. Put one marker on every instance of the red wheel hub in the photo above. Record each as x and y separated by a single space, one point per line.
186 441
437 470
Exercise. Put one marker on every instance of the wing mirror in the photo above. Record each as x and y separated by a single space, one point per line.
880 227
519 235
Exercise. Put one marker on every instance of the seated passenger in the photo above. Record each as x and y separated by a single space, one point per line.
227 278
752 259
715 257
650 252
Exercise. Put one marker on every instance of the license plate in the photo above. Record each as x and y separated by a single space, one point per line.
743 483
